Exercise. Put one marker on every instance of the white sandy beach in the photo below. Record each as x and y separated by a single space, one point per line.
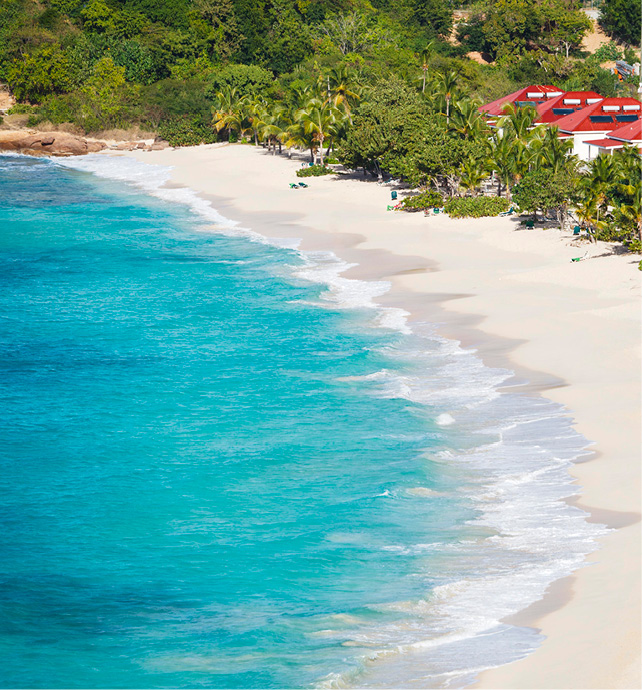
572 329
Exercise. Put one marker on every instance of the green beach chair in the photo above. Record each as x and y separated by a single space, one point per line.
577 230
293 186
393 195
530 224
303 184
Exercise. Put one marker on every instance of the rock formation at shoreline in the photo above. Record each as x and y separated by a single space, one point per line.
48 143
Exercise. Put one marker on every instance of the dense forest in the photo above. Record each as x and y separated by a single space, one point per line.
385 85
107 63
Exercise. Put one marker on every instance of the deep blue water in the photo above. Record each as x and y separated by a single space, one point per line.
197 480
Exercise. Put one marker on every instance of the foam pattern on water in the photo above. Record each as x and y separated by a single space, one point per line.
514 452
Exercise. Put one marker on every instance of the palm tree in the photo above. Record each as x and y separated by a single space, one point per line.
588 212
466 119
518 122
256 109
295 136
318 119
502 155
343 88
228 113
633 210
599 180
425 63
274 126
472 173
447 87
553 153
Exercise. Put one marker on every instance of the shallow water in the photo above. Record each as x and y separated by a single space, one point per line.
224 466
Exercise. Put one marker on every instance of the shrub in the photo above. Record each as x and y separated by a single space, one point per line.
314 171
172 99
476 207
186 131
419 202
21 109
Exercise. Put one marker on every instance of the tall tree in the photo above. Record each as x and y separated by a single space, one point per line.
621 19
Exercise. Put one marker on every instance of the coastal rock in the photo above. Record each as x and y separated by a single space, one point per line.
51 143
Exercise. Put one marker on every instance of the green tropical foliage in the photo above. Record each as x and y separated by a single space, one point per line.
314 171
378 86
621 19
422 201
476 207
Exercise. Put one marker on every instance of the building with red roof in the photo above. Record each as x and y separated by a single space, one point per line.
534 95
596 121
627 135
554 109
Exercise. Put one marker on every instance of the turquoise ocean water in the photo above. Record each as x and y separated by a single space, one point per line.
223 466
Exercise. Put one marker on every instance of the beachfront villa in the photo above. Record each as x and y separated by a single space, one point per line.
534 95
555 109
627 135
583 116
597 120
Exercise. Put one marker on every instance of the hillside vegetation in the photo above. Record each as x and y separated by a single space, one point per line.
378 85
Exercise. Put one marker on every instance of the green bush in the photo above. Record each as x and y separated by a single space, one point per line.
186 131
476 207
314 171
20 109
419 202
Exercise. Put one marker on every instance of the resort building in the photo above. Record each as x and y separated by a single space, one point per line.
597 121
554 109
534 95
626 135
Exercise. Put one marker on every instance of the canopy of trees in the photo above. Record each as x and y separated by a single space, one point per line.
621 19
379 85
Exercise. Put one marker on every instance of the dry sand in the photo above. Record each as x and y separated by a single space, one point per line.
572 328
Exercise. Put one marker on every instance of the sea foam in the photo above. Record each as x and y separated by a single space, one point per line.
513 458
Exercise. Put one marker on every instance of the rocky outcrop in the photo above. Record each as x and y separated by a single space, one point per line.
48 143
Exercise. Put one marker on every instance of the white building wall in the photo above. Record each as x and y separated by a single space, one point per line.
581 148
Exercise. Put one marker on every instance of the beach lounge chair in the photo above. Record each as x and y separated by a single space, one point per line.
510 212
303 184
436 210
293 186
577 230
529 223
393 195
580 258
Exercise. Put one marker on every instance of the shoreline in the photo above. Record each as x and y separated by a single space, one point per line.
440 284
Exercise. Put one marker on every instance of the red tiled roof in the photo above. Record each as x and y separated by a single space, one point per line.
605 143
628 133
496 108
569 100
580 121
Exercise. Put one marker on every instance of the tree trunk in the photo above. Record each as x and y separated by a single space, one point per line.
423 86
321 137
